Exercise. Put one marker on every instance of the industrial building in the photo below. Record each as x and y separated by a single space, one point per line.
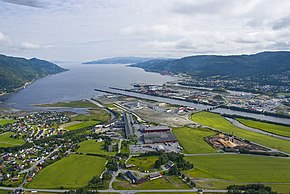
156 129
159 137
128 121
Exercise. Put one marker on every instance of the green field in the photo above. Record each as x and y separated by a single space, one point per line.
218 122
192 140
6 121
6 141
72 104
244 168
143 163
81 125
163 193
271 128
95 112
93 147
70 172
167 182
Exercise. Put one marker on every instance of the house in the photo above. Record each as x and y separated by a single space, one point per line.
155 176
131 176
169 164
129 165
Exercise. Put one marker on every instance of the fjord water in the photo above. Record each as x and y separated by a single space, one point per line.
79 83
81 80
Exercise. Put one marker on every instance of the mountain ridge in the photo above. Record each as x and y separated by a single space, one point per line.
16 72
263 63
120 60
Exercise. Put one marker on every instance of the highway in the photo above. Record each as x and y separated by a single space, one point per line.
119 191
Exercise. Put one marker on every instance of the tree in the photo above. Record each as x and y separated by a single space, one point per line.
157 164
173 170
182 176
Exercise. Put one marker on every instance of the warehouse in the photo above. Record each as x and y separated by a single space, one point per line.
159 137
156 129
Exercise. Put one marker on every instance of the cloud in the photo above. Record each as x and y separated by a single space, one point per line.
33 46
29 3
4 40
282 23
214 7
142 29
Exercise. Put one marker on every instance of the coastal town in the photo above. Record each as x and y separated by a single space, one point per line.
137 142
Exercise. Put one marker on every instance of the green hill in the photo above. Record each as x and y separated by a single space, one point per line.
15 72
261 64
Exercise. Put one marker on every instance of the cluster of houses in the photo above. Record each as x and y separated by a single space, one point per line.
36 125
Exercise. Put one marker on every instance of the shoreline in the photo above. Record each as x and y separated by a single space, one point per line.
27 84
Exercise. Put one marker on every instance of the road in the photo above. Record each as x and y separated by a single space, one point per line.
113 116
129 111
240 125
39 161
119 191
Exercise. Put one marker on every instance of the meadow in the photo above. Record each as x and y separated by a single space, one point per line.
93 147
143 163
6 141
166 182
6 121
237 167
219 122
81 125
192 140
70 172
271 128
220 171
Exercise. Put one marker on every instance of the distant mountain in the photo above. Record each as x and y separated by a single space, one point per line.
15 72
261 64
119 60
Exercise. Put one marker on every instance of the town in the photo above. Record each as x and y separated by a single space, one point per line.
134 143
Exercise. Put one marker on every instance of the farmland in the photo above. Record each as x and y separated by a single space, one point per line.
93 147
271 128
81 125
166 182
6 121
192 140
229 169
143 163
6 141
218 122
71 172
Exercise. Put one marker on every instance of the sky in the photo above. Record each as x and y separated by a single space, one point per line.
84 30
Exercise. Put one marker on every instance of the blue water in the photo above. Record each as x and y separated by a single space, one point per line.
79 83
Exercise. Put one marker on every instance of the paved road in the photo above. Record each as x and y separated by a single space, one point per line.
240 125
113 190
113 116
39 161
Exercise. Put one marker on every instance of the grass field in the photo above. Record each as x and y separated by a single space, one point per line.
72 104
93 147
81 125
70 172
192 140
163 193
6 121
271 128
218 122
6 141
167 182
143 163
95 112
243 168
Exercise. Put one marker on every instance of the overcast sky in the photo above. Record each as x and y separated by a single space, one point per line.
82 30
